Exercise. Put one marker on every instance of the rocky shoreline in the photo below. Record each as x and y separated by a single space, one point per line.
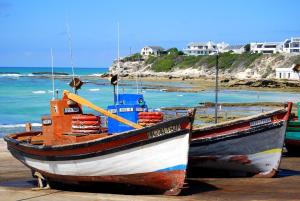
259 75
261 68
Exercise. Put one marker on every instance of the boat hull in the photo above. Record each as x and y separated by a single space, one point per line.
292 138
255 151
158 162
248 146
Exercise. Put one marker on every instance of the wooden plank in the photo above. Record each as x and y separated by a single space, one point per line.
85 102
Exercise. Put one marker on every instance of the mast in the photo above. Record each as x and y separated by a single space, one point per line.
71 53
53 93
217 88
118 62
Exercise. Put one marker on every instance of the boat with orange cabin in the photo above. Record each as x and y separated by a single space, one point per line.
74 147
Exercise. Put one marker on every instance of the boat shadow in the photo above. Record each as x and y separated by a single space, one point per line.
196 187
193 187
287 173
24 183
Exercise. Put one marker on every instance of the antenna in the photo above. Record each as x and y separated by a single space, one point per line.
118 64
71 52
136 82
53 93
216 89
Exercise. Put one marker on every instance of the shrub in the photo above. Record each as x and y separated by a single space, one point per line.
134 57
163 65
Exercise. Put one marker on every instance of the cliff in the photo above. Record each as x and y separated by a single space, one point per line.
240 66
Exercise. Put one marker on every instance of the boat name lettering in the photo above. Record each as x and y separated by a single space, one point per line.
129 109
139 109
113 111
260 122
47 121
163 131
70 110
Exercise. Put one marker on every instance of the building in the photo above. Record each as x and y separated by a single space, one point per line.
236 49
151 50
287 73
200 48
288 46
266 47
222 46
292 45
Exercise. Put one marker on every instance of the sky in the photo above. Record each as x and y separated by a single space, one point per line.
29 29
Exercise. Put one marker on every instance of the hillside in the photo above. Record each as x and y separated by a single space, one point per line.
176 64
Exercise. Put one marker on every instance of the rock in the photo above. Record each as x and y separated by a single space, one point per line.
263 67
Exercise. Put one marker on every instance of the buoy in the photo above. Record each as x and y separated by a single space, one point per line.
91 123
150 118
83 127
86 118
86 124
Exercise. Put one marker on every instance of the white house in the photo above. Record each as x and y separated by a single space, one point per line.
222 46
151 50
236 49
200 48
266 47
287 73
292 45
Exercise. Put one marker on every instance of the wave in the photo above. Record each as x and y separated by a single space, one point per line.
96 74
15 75
49 73
9 75
18 125
39 92
96 89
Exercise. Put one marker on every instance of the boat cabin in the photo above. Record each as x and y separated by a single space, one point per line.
68 124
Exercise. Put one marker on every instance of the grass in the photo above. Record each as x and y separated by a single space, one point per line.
174 60
134 57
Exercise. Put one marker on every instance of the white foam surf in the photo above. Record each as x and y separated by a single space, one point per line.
18 125
93 90
10 75
39 92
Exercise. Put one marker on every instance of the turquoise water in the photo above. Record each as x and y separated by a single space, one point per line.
25 97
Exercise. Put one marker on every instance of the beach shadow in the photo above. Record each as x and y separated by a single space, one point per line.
110 188
287 173
195 187
28 183
192 187
215 173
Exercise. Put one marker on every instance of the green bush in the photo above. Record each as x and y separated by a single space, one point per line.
151 59
134 57
173 60
173 51
163 65
188 61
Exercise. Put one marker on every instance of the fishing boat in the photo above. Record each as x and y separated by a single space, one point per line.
250 146
292 136
73 147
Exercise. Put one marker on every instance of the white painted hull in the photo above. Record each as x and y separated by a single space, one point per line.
264 162
169 154
254 151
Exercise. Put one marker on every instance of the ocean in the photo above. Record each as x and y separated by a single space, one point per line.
25 94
